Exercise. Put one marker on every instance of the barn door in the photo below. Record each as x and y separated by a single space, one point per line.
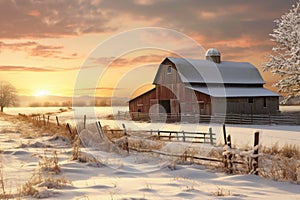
165 106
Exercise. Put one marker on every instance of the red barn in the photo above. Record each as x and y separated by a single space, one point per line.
205 87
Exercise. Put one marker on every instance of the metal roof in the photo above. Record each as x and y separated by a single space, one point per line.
205 71
234 91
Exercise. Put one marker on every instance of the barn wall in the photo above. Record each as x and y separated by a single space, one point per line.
169 87
197 103
183 100
260 105
142 103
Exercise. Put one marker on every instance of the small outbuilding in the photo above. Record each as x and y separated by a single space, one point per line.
205 87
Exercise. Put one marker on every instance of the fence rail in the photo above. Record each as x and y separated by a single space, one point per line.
174 136
282 119
194 137
228 158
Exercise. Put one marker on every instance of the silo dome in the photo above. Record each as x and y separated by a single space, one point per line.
213 54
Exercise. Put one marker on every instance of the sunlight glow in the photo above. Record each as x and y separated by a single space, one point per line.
41 93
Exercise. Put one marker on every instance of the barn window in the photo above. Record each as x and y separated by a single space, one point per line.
169 70
265 102
250 100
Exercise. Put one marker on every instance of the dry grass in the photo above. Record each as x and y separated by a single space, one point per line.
277 163
280 169
45 178
145 144
288 151
47 175
49 164
4 194
76 148
281 163
113 134
2 185
41 182
221 192
43 125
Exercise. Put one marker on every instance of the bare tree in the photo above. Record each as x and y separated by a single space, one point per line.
8 95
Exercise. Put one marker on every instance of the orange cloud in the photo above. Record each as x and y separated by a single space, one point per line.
206 15
24 68
34 13
36 49
130 61
10 68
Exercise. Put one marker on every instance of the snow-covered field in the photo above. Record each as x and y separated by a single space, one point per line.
137 176
290 108
242 135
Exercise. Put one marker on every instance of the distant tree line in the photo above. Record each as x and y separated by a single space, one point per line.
51 104
97 103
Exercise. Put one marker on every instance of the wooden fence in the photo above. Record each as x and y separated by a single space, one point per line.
228 159
183 136
44 121
282 119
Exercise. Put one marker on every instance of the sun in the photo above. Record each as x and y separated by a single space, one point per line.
41 93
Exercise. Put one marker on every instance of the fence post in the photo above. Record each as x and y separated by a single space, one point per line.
126 138
183 136
99 128
69 129
84 121
158 134
224 134
170 136
124 128
228 156
255 153
211 136
229 141
44 120
57 121
48 119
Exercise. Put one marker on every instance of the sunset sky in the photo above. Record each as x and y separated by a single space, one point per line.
44 43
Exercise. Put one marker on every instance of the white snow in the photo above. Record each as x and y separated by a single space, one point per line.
226 72
234 91
285 58
137 176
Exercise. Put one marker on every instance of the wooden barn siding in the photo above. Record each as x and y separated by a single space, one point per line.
241 105
186 101
142 102
183 100
170 87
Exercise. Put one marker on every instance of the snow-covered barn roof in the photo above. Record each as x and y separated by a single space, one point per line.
234 91
205 71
